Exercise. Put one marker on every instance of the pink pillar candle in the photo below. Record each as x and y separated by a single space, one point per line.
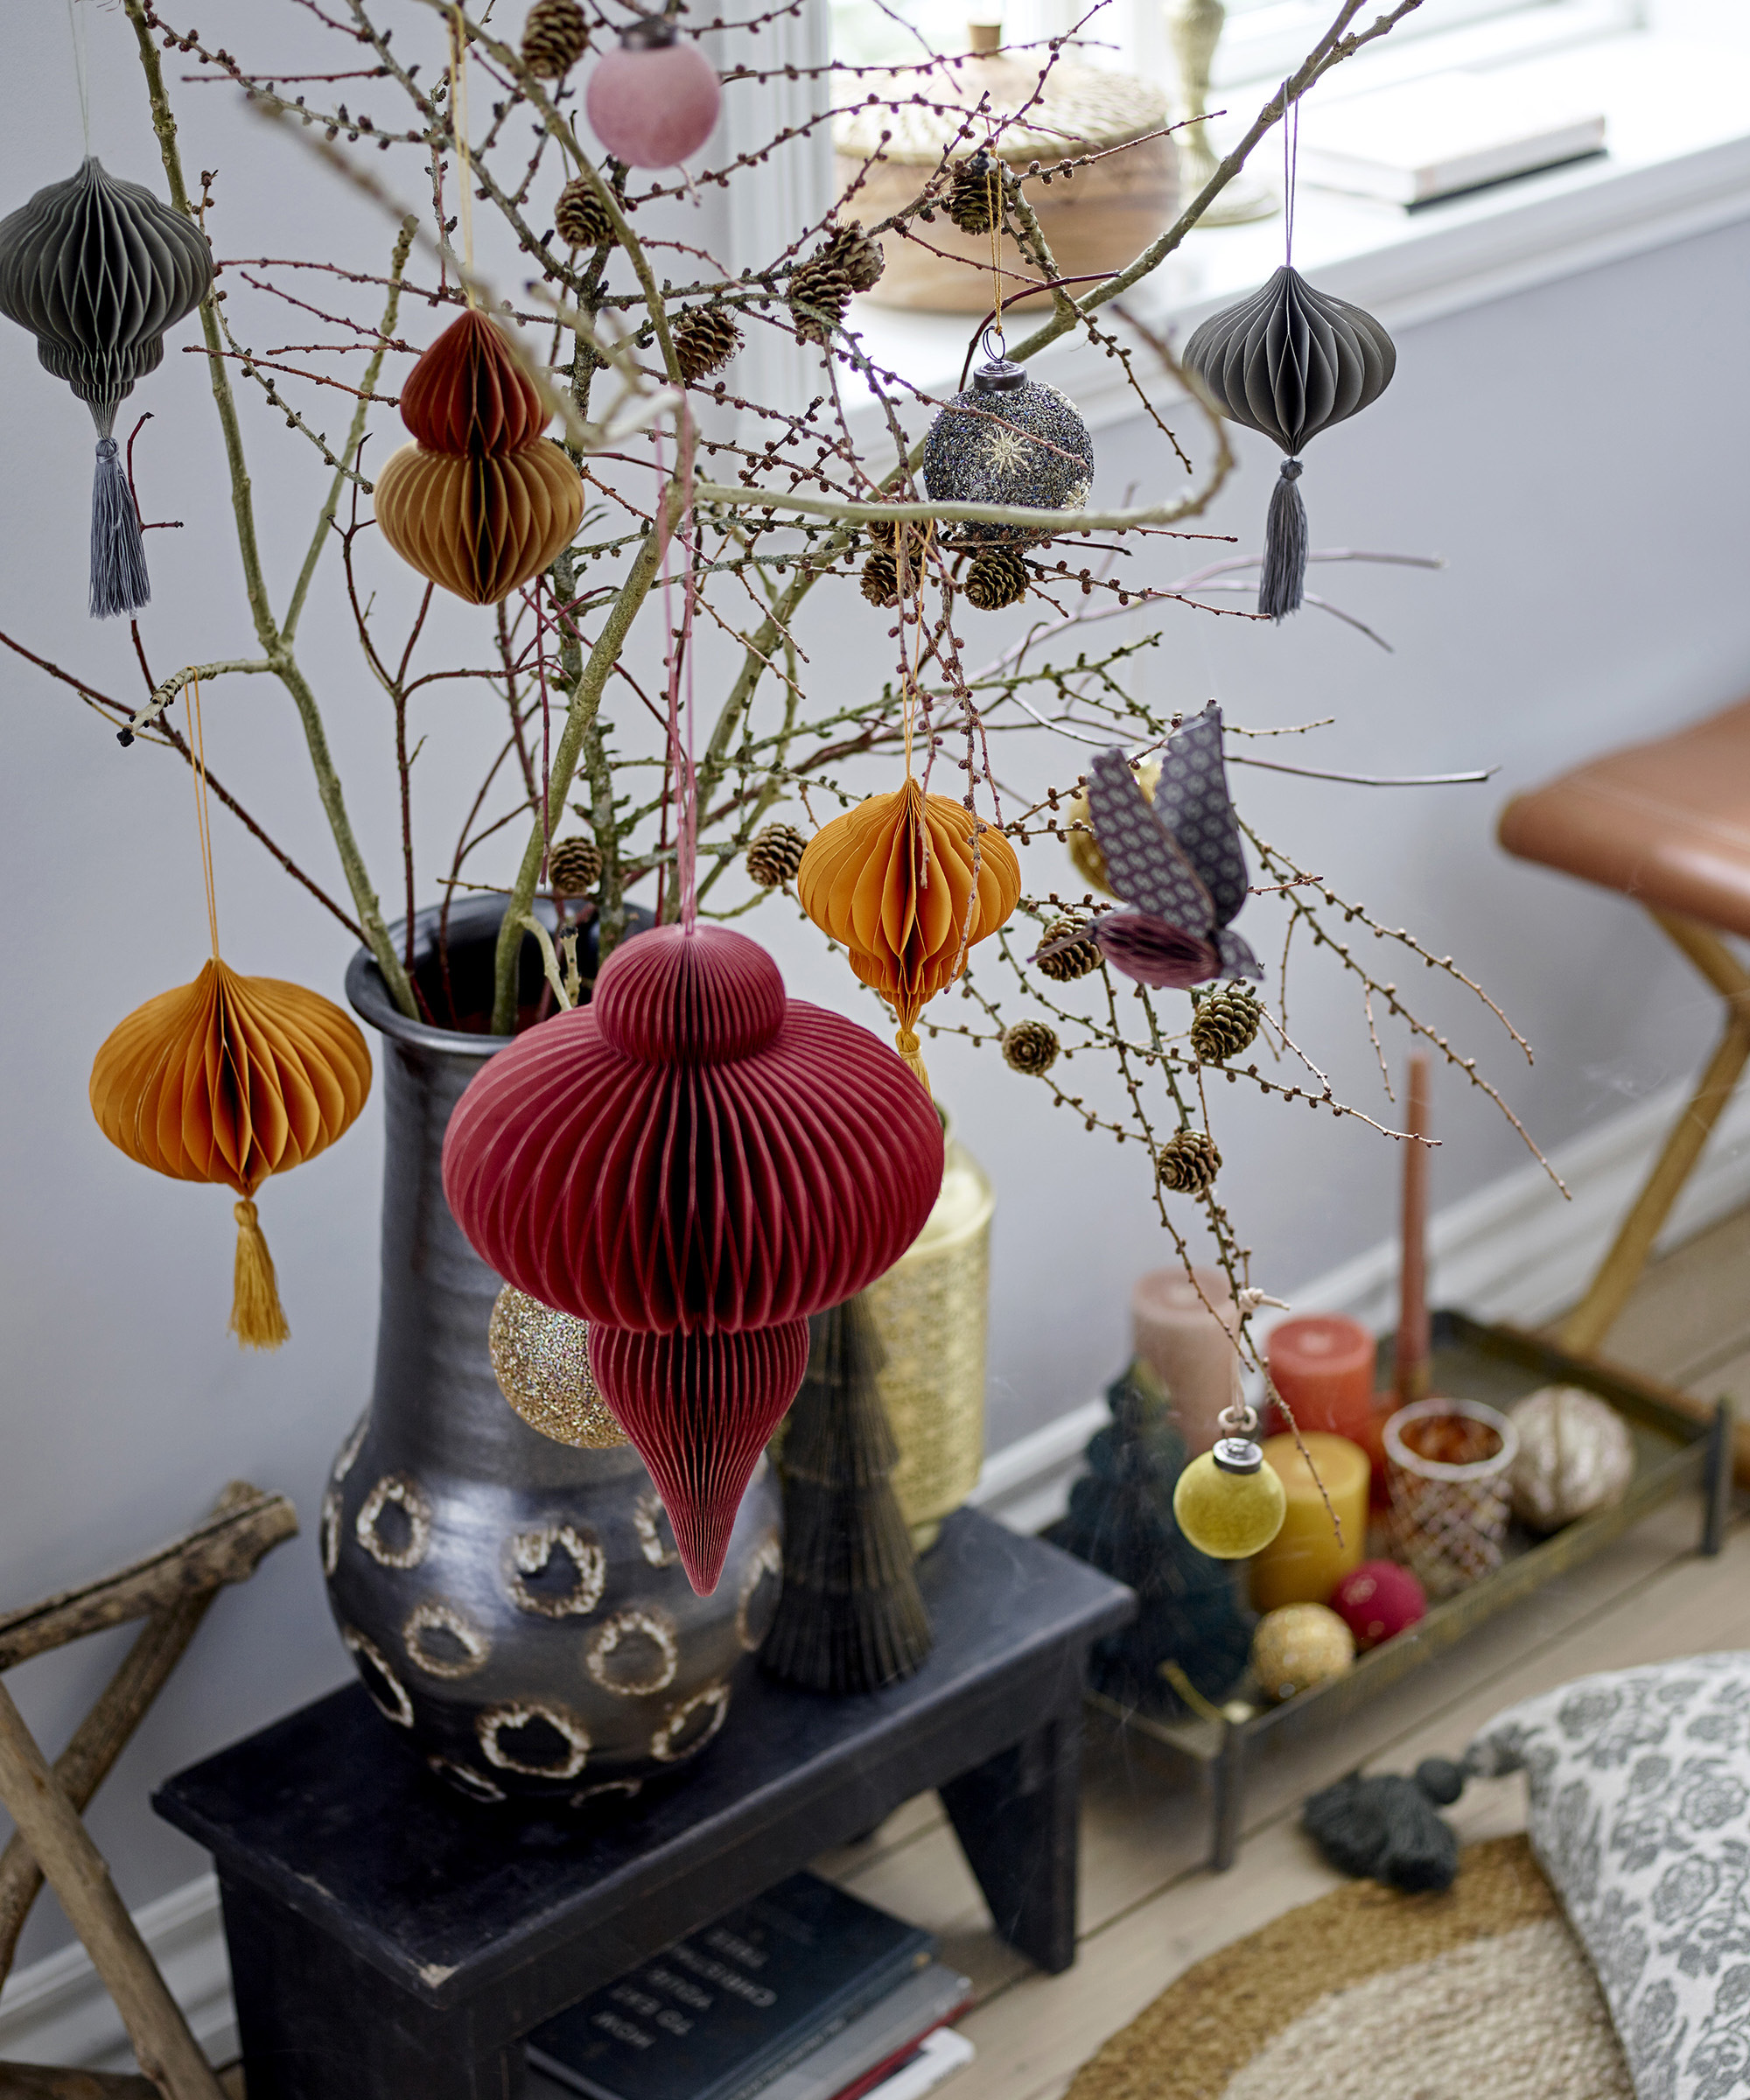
1188 1344
1323 1367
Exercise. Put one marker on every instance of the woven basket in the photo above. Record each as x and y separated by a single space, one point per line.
1449 1520
1097 221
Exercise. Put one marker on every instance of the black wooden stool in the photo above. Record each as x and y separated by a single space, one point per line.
389 1942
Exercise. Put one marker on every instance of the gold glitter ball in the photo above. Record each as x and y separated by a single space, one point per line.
541 1358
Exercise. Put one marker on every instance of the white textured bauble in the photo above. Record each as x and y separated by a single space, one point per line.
541 1358
1576 1455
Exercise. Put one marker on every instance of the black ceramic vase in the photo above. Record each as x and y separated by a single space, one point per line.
515 1607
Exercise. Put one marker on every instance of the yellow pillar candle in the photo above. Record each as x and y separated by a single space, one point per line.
1304 1562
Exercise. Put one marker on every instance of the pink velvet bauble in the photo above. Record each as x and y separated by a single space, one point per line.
652 102
700 1409
1378 1599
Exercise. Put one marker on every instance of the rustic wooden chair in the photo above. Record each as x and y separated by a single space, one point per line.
170 1590
1667 824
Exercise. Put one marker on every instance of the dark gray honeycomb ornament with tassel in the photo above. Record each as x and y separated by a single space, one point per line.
1290 361
97 270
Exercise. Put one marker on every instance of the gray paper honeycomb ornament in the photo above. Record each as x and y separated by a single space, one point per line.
1007 440
97 270
1290 361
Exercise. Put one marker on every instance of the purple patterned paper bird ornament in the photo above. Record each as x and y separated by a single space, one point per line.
1177 863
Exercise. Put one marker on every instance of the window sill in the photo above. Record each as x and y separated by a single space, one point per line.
1678 164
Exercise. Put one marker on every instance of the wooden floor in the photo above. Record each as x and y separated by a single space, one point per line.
1149 1908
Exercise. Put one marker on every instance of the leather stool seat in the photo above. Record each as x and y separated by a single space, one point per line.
1668 823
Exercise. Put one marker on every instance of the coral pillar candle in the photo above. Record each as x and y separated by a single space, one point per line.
1323 1368
1184 1333
1305 1562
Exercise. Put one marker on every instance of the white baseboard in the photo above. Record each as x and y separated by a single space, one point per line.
1513 1250
57 2012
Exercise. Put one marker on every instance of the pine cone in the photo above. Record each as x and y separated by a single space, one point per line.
705 339
849 249
1226 1022
881 579
775 855
574 866
1189 1163
1068 964
978 186
820 292
997 577
580 218
1030 1047
555 36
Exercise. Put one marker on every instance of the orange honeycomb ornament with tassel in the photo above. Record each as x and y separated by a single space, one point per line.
908 882
228 1080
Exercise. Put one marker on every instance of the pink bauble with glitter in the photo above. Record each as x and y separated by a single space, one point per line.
655 100
1378 1599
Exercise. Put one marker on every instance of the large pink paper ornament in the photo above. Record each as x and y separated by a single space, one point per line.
693 1154
655 100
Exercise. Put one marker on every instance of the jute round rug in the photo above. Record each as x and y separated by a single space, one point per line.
1482 1994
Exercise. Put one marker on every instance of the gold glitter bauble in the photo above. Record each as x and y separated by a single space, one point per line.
1297 1646
541 1358
1084 849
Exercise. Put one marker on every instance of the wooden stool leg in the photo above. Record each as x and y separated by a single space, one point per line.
1586 1326
168 2053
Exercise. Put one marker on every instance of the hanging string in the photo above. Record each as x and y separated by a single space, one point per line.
459 122
1291 167
993 189
202 814
75 23
546 735
679 658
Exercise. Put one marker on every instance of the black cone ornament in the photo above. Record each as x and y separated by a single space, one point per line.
97 270
1009 440
1290 361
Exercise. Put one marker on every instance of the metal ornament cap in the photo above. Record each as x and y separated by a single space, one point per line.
1237 1454
1001 375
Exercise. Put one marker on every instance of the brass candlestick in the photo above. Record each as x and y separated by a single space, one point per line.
1194 27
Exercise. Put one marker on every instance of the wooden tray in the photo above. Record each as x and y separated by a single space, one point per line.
1679 1445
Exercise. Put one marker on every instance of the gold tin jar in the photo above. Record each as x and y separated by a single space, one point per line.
933 1311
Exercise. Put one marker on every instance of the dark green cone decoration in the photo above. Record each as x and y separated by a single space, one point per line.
1121 1521
850 1618
1008 440
1290 361
97 270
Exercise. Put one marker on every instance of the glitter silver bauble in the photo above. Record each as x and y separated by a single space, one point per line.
1007 440
541 1358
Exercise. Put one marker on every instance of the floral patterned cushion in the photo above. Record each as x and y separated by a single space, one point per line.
1640 1783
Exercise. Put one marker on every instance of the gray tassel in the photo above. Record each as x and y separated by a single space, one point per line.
119 582
1284 579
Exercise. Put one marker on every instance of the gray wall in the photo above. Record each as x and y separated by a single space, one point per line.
1592 520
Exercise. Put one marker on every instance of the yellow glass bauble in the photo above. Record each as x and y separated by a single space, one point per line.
1229 1516
1298 1646
541 1358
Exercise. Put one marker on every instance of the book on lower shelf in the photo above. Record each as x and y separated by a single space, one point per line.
804 1993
